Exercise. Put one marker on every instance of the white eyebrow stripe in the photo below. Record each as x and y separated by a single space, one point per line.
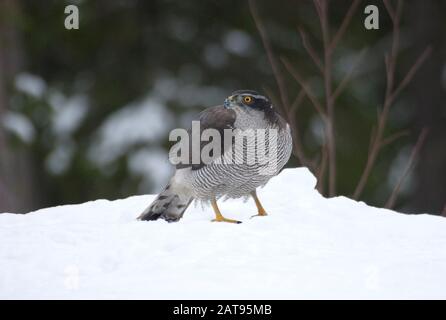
254 96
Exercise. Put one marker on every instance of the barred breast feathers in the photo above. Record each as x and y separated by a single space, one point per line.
223 178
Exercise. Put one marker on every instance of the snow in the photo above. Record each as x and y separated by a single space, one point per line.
308 247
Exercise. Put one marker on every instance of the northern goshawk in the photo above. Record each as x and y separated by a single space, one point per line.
255 145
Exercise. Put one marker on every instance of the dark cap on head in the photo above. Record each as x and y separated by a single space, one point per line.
252 92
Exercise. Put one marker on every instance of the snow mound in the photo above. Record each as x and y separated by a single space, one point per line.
308 247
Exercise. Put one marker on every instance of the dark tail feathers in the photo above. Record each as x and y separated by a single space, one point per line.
168 206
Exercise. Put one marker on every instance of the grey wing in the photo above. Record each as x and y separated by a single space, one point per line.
218 118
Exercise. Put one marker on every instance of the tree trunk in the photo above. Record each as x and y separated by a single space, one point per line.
428 92
16 185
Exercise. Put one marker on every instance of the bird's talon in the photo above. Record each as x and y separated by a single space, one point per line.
226 220
259 215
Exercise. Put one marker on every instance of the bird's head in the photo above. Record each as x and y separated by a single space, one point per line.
248 100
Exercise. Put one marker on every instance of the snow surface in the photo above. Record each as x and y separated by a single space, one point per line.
308 247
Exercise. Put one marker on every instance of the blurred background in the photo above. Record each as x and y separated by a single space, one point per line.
85 114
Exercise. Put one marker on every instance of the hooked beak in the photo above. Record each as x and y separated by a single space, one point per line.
228 102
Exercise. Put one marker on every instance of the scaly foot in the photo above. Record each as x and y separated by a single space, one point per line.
260 211
218 216
260 214
223 219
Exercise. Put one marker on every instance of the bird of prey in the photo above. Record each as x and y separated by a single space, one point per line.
222 176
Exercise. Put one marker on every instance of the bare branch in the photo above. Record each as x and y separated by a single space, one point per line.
387 61
347 78
320 174
298 101
399 10
318 5
297 143
390 95
330 116
389 9
391 201
391 58
297 149
394 137
345 23
310 50
372 139
421 59
305 87
269 51
443 213
323 18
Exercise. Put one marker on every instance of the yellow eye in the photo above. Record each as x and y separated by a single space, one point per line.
247 99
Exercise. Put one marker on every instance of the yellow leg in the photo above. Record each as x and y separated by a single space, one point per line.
218 216
260 210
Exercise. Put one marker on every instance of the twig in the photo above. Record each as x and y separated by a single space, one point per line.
287 111
310 50
318 5
372 139
321 170
348 76
389 9
330 126
305 87
345 23
443 213
391 201
297 143
297 152
421 59
269 51
394 137
305 90
390 59
298 101
390 95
